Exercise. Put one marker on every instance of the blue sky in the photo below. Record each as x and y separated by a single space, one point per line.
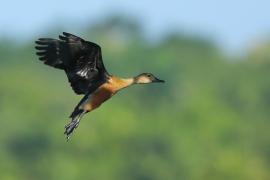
234 24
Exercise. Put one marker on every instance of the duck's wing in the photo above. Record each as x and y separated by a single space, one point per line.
80 59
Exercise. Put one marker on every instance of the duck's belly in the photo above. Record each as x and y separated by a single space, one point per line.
100 96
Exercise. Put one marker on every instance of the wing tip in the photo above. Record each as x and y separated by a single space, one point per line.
67 34
39 48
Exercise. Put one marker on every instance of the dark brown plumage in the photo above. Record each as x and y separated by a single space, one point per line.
80 59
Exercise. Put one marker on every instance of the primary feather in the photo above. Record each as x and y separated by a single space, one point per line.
80 59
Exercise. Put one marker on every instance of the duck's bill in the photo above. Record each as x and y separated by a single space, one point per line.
159 81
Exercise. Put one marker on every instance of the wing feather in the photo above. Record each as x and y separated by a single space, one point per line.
80 59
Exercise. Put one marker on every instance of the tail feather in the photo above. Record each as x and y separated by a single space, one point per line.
77 110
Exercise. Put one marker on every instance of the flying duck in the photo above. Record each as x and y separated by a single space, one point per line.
82 62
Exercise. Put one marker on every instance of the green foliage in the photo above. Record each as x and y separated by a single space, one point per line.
209 120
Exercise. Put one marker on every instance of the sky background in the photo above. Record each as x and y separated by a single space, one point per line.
234 24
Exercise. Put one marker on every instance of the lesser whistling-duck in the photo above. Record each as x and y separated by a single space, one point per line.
82 62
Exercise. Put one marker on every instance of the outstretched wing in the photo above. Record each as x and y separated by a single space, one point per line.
80 59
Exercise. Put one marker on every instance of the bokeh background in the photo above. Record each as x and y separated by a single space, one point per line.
210 120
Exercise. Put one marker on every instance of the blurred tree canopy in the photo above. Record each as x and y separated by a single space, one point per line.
210 120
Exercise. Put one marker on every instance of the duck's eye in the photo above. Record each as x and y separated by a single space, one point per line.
148 75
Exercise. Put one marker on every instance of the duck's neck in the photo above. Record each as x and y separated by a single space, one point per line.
127 82
121 83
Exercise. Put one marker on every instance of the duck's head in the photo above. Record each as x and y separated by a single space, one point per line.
146 78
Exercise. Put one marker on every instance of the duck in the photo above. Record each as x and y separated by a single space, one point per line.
82 62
